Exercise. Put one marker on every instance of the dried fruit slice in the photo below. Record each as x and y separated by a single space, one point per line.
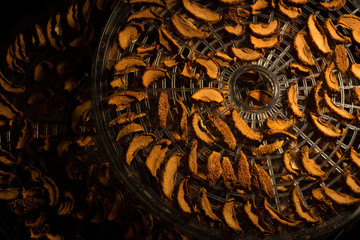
243 128
201 131
246 54
212 69
129 64
243 172
355 70
303 50
6 177
28 134
237 29
340 198
332 5
317 35
355 95
229 216
128 129
327 128
214 168
38 37
8 110
192 158
260 5
208 94
278 217
231 2
256 218
225 131
298 2
52 189
168 178
267 149
205 205
124 99
261 96
292 100
228 174
182 196
153 74
9 86
160 3
341 58
261 182
168 41
137 143
287 159
309 165
156 156
163 109
8 159
354 157
201 12
337 110
222 59
54 32
183 121
147 51
352 183
7 194
289 11
330 79
300 70
265 43
146 14
266 29
280 124
67 205
334 33
314 99
236 14
186 29
300 208
126 118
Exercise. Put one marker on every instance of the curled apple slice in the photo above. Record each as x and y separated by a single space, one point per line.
265 43
186 29
303 50
291 12
334 33
327 128
332 5
225 131
267 149
137 143
337 110
246 54
340 198
265 30
278 217
243 128
208 94
229 216
130 34
156 156
292 100
205 205
228 174
201 12
168 177
201 131
352 183
256 218
310 166
317 35
214 168
300 208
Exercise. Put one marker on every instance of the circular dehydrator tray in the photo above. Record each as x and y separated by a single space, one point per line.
276 78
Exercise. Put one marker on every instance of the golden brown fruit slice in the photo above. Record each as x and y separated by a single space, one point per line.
317 35
182 196
126 118
8 110
9 86
266 29
52 189
243 172
267 149
201 12
299 70
331 80
168 177
243 128
208 94
229 216
128 129
237 29
222 58
265 43
260 5
327 128
261 96
332 5
303 50
124 99
147 51
228 174
7 194
341 58
205 205
160 3
334 33
156 156
231 2
137 143
212 69
309 165
168 41
287 159
183 125
130 34
6 177
28 134
351 22
340 198
54 32
214 168
236 14
146 14
163 109
292 100
153 74
225 131
256 218
8 159
129 64
289 11
192 158
280 124
300 208
278 217
186 29
354 157
352 183
336 109
298 2
246 54
355 70
201 131
261 182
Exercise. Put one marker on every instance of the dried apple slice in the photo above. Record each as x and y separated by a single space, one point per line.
287 159
6 177
208 94
182 196
340 198
128 129
334 33
201 131
355 95
246 54
212 69
331 81
341 58
300 70
225 131
309 165
130 34
168 177
300 208
327 128
9 86
292 100
260 5
80 113
8 159
129 64
124 99
146 14
156 156
256 218
229 216
137 143
214 168
265 43
332 5
298 2
243 128
52 189
201 12
349 21
267 149
280 124
28 133
337 110
147 51
278 217
54 32
355 70
186 29
231 2
236 30
192 158
243 172
38 37
187 72
237 14
205 205
303 50
160 3
66 207
354 157
228 174
168 41
163 109
183 120
126 118
266 29
353 183
8 110
317 35
8 194
289 11
261 182
261 96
